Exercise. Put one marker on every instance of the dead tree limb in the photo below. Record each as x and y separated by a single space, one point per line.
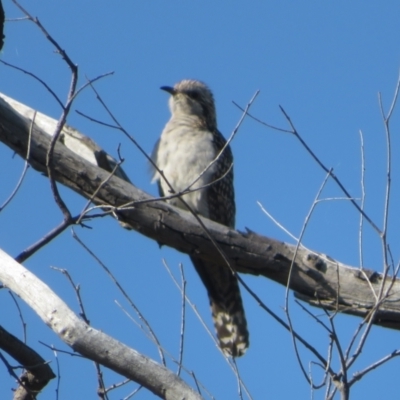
37 371
86 340
316 278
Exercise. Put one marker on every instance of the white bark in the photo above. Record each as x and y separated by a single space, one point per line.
88 341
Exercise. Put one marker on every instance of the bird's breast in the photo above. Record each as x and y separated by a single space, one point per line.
184 154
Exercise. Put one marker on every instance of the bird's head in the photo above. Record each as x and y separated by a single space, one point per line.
191 97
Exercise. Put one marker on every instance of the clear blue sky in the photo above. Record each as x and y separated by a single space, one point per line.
324 62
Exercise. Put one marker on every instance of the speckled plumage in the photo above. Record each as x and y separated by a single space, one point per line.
188 145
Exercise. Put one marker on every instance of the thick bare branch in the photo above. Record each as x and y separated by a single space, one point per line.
88 341
317 279
38 373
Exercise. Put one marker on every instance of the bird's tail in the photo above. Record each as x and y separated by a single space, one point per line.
226 307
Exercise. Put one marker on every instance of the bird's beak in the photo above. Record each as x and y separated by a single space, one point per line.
168 89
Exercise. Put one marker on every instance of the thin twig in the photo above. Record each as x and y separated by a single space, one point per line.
361 225
25 254
363 196
277 223
183 319
326 169
118 385
94 194
64 114
383 235
133 393
287 313
62 52
70 353
227 143
240 393
194 308
101 388
344 384
359 375
77 291
317 319
58 372
164 350
49 89
285 325
97 121
21 317
125 294
26 164
275 128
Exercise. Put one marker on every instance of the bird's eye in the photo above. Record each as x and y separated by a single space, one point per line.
193 95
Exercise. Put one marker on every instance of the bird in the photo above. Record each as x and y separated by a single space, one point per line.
188 155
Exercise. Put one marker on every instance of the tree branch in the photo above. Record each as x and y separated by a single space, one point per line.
38 373
317 279
86 340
